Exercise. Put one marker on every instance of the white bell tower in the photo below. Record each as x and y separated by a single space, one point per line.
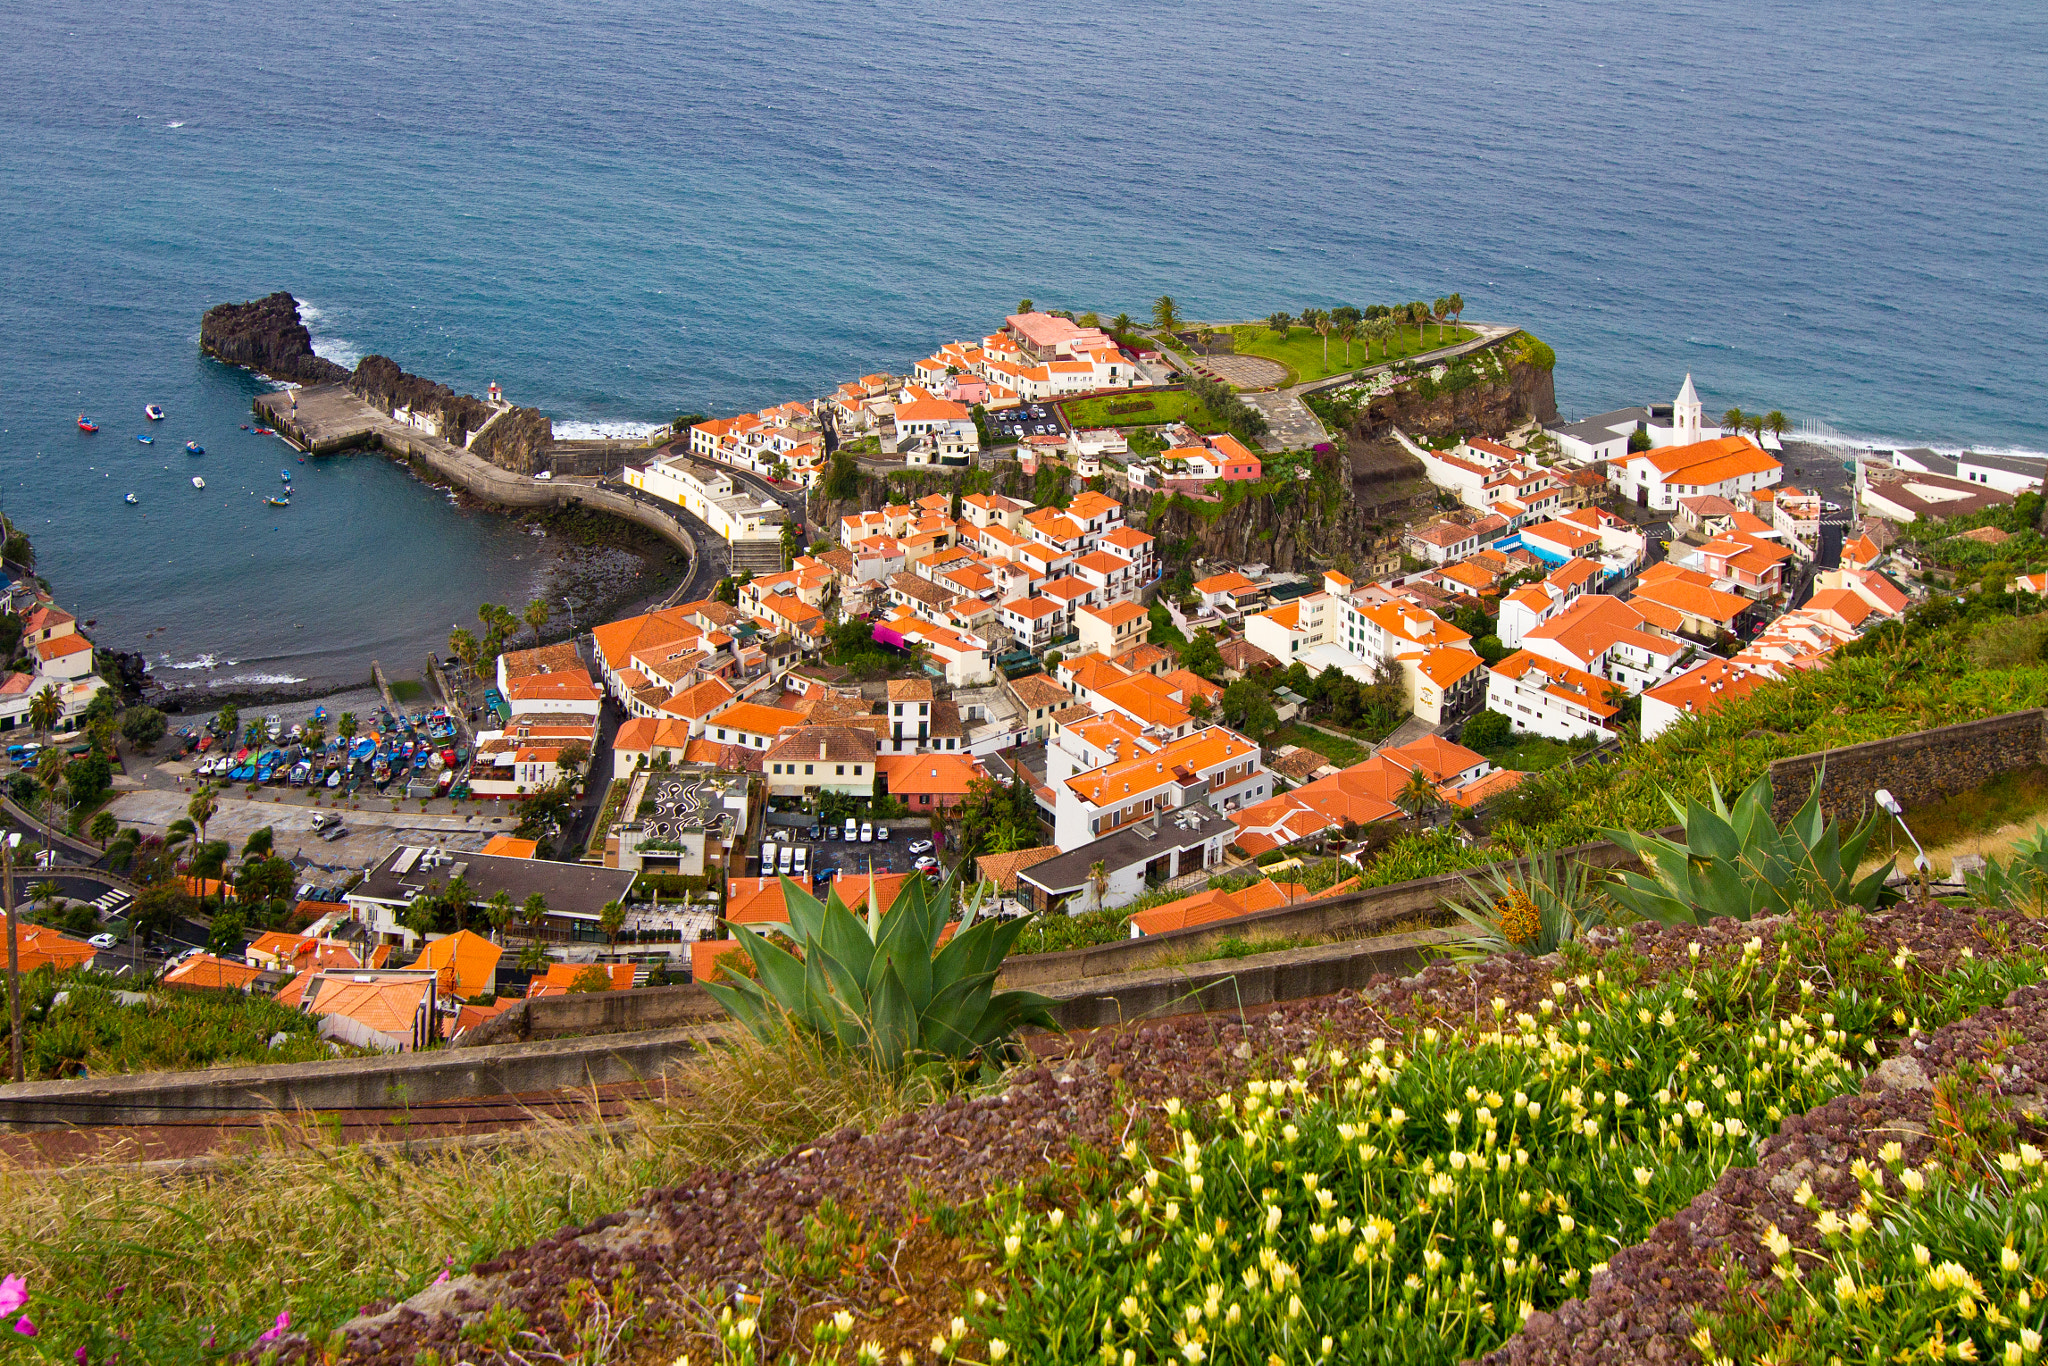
1685 415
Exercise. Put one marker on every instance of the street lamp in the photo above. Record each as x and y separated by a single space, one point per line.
1890 803
7 848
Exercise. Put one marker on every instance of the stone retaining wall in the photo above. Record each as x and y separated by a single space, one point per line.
1919 769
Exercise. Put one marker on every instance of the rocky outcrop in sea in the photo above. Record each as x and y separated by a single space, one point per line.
267 336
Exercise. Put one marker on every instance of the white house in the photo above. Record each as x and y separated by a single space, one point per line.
1541 696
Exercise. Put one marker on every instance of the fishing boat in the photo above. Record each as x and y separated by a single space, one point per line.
285 475
194 448
273 726
266 431
131 498
197 482
153 413
86 424
278 502
320 714
334 778
146 439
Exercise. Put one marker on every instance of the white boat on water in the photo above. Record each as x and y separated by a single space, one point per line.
153 413
197 482
131 498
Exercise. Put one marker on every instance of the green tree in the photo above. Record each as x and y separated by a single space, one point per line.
592 978
1775 424
260 842
842 484
457 896
419 915
201 808
1734 420
227 722
1120 324
463 644
87 778
143 726
158 907
345 726
17 550
104 828
1202 656
1457 302
1025 306
225 938
1489 730
1318 321
1165 313
1439 311
1248 707
1279 322
611 918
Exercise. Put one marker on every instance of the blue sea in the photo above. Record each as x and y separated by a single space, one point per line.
621 211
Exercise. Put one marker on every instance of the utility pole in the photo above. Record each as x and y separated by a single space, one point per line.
13 953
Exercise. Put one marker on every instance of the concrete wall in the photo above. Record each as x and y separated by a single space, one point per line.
596 1012
1919 769
410 1079
1362 913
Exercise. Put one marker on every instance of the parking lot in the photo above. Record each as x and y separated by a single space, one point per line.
1032 419
827 858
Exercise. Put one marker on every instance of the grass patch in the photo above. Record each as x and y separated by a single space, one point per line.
1987 820
408 689
1341 752
1164 632
1165 405
176 1030
1301 350
1532 753
319 1231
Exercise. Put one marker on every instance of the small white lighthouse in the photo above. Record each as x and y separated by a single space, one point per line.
496 394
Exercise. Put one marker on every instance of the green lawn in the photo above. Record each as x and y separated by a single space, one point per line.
1342 753
1530 753
1301 350
1164 632
1170 405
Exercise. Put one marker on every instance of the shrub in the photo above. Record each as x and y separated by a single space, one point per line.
1488 730
1735 861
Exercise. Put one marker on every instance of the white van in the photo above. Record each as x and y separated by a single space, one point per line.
867 833
785 860
802 861
852 830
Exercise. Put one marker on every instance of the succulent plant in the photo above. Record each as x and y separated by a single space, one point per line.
1736 861
1533 909
882 982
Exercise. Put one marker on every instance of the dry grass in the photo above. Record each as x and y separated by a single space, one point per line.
321 1231
1988 820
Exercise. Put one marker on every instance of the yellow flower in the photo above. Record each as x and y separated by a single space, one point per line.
997 1349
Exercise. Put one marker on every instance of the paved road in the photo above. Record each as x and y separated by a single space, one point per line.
601 775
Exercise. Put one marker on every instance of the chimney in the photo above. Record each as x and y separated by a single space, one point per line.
821 749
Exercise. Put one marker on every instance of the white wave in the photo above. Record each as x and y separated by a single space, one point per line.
1851 442
202 662
340 350
258 680
609 430
175 123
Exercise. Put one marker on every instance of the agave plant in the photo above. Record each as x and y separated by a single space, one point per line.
1547 902
2020 883
882 982
1736 861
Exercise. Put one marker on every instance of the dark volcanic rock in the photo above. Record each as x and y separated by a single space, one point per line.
268 337
519 441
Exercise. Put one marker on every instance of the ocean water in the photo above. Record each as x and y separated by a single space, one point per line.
622 211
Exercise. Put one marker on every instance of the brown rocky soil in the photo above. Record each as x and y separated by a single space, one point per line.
704 1240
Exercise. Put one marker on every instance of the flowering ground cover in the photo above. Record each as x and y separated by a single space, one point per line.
902 1238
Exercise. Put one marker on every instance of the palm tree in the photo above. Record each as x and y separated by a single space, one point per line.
1753 423
1319 322
1098 880
345 726
499 910
46 895
457 896
1774 422
1165 315
1418 794
201 808
463 644
1120 324
313 735
537 612
1439 311
533 912
1023 305
1734 420
611 917
419 915
1457 303
45 710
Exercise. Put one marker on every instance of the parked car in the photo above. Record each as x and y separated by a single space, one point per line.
101 941
780 835
323 819
882 833
926 864
814 834
852 830
920 846
832 831
867 833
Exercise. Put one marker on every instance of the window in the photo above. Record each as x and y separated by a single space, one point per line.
808 769
857 770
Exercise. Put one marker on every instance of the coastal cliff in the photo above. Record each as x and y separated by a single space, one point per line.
267 336
1489 393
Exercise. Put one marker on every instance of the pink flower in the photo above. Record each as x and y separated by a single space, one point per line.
13 1293
441 1279
24 1327
284 1321
79 1356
